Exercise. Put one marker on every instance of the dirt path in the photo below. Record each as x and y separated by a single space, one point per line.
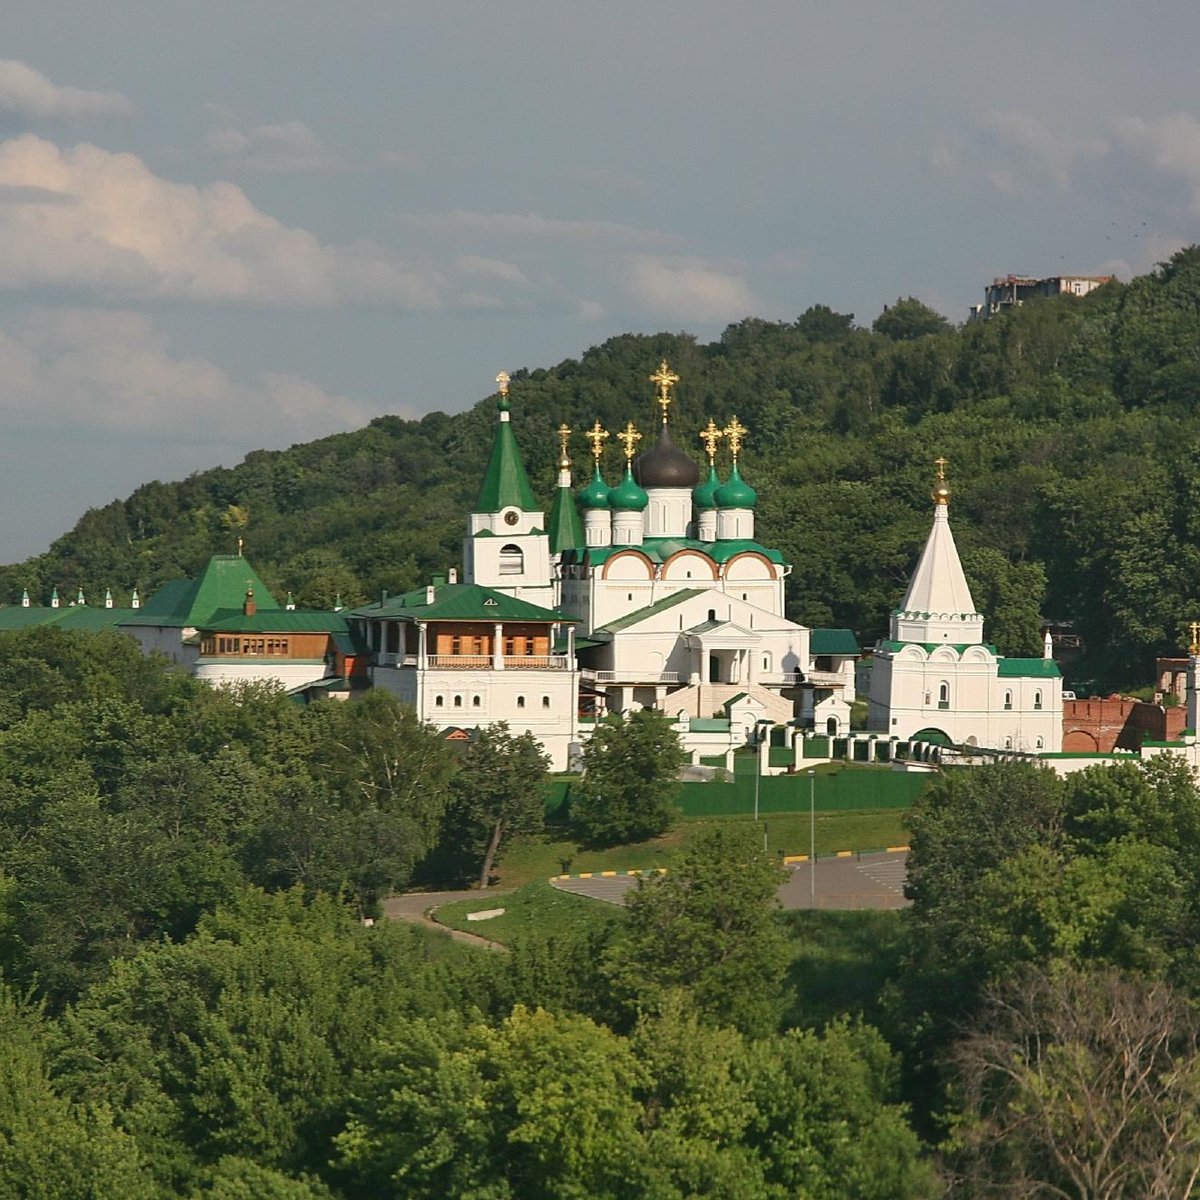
418 908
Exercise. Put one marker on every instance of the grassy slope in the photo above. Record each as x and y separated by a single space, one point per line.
534 910
788 833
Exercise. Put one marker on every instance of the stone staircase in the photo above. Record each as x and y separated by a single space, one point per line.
704 699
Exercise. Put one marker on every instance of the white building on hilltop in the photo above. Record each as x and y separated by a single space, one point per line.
935 677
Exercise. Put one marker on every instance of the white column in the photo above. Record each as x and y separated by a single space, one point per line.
498 647
422 646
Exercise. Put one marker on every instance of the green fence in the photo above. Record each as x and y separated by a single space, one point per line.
832 792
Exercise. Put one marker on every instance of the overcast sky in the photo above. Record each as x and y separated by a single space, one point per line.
239 223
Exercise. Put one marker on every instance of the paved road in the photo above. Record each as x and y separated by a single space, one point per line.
861 881
417 908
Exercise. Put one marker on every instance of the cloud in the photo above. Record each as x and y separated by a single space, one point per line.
28 92
116 228
113 371
1046 155
490 268
1171 143
688 289
531 227
609 179
284 149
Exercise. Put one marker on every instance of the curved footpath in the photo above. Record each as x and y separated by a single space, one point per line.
418 907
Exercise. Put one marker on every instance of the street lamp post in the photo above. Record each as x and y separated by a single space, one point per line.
812 838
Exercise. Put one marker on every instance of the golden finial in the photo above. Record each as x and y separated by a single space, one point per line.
502 380
665 379
597 436
710 435
629 438
1194 629
941 490
736 432
564 436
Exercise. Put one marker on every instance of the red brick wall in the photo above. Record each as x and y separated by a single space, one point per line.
1117 722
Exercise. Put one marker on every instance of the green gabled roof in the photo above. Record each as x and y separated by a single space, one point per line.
832 641
564 527
278 620
1029 668
505 484
660 549
709 725
650 610
81 616
221 585
460 602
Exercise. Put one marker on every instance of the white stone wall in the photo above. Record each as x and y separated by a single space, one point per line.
288 674
166 640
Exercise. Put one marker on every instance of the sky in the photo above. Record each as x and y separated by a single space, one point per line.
246 223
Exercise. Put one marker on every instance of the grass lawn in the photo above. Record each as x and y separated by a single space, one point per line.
842 962
788 833
537 908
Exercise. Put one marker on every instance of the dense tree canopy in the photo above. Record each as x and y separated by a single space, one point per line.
1070 425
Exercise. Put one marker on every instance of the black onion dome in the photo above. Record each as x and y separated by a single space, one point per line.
664 465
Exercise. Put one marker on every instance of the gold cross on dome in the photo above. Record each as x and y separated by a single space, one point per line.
941 463
736 432
597 436
564 436
666 379
710 435
502 380
629 438
1194 628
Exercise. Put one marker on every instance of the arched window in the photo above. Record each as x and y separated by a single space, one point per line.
943 695
712 614
545 701
512 560
458 702
1008 743
1040 743
520 701
1008 699
831 727
766 662
439 702
1037 699
476 702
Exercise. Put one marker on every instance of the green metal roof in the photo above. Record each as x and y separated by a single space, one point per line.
505 484
1029 668
459 602
930 647
832 641
221 585
564 527
709 725
80 616
650 610
234 620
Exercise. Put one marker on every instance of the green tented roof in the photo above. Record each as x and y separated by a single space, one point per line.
1029 668
832 641
460 602
660 549
505 484
221 585
564 526
650 610
81 616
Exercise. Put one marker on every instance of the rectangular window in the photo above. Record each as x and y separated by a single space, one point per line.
456 645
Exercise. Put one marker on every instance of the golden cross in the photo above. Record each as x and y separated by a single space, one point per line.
564 436
597 437
736 432
1194 648
502 380
239 547
629 438
710 435
666 379
940 463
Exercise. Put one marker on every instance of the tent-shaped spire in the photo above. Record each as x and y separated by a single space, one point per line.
938 606
564 527
505 484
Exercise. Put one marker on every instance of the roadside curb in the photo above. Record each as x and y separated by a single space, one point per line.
790 859
787 860
612 874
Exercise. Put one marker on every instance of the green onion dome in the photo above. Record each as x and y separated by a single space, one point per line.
737 493
704 496
595 494
627 496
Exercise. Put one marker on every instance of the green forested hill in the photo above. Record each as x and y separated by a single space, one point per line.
1070 426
